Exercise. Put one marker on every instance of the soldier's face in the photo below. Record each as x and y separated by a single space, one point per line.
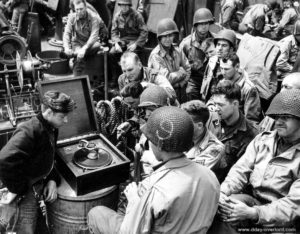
124 7
211 51
228 70
167 40
57 119
80 9
287 126
202 28
223 48
224 107
131 69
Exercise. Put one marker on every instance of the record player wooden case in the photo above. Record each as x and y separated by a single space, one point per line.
80 139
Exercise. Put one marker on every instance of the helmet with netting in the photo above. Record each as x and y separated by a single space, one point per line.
170 129
285 103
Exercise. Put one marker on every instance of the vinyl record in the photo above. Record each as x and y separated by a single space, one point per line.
82 160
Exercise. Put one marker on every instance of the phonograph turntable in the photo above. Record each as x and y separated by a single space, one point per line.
85 158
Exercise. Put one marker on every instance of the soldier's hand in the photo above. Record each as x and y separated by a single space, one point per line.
132 47
50 191
6 197
118 48
68 52
123 129
81 53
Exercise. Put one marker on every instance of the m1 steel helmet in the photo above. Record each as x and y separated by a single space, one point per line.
203 15
154 96
228 35
165 27
125 2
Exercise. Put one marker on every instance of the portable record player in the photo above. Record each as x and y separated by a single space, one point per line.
86 159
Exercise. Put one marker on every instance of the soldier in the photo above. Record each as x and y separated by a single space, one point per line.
169 59
250 102
288 19
128 32
26 165
81 34
225 42
165 201
271 166
207 149
291 81
192 48
133 71
234 130
255 19
289 48
229 17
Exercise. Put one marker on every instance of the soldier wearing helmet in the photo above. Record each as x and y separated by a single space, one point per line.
27 161
225 42
289 48
128 33
194 51
229 10
271 166
255 19
170 60
165 201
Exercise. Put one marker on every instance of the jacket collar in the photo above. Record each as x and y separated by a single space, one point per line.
173 163
271 140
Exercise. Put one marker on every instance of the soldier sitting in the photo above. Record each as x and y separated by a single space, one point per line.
129 32
165 201
271 166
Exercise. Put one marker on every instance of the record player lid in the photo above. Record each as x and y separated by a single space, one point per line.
83 119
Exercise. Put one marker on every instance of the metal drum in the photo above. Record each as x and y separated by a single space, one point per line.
68 214
58 65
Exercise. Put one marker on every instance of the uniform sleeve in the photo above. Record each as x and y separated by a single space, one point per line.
103 31
156 62
140 217
283 210
163 82
142 39
282 63
94 32
67 37
227 15
252 106
14 157
239 174
115 37
186 72
286 17
210 157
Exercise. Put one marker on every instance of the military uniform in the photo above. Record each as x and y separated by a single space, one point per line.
129 28
191 46
212 76
235 138
287 22
175 62
229 17
289 51
208 151
150 76
254 20
83 32
274 178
